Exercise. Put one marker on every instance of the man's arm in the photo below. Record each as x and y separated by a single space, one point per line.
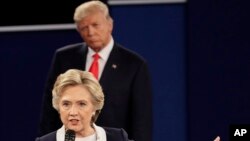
142 122
49 120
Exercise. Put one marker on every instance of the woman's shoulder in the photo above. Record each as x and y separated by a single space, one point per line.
48 137
116 134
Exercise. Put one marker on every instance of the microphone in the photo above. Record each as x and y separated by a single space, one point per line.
70 135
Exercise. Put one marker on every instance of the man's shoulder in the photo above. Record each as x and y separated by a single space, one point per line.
71 47
129 54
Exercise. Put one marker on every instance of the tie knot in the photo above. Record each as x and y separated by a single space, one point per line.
96 56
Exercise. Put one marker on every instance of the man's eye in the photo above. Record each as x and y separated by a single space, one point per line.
96 25
83 29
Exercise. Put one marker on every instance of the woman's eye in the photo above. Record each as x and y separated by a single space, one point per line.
65 104
82 104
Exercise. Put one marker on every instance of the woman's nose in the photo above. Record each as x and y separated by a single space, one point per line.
73 110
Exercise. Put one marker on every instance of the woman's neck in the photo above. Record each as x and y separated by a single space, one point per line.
85 132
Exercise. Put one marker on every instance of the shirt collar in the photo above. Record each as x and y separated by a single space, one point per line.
103 53
100 132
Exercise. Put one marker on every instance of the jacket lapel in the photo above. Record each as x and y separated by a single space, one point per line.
111 66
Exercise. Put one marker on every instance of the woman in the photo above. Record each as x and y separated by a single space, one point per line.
217 138
78 98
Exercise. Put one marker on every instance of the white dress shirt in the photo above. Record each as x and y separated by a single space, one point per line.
104 55
99 131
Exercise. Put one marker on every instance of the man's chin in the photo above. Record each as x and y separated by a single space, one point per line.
96 47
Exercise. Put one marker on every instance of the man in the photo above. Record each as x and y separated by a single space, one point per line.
122 73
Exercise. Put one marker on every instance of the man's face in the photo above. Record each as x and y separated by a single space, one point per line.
96 30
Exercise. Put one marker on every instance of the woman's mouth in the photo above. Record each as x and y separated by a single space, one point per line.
74 121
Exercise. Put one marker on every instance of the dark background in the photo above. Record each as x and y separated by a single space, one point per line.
198 54
218 67
28 12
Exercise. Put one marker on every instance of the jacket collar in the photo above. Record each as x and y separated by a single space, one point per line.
100 132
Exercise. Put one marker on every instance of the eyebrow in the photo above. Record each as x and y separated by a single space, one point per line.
82 100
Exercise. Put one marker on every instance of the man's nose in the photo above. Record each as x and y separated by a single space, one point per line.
91 31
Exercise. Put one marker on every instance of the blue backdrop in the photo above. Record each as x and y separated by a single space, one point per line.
199 65
157 32
218 67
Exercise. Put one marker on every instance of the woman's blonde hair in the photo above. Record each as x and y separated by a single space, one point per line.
74 77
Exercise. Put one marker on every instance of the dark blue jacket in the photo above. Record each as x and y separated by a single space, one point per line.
126 85
113 134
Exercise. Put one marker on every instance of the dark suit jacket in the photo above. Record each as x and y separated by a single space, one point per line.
126 84
113 134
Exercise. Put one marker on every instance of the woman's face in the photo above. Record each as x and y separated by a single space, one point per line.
76 109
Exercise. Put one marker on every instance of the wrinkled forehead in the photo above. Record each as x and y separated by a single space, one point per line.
75 91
